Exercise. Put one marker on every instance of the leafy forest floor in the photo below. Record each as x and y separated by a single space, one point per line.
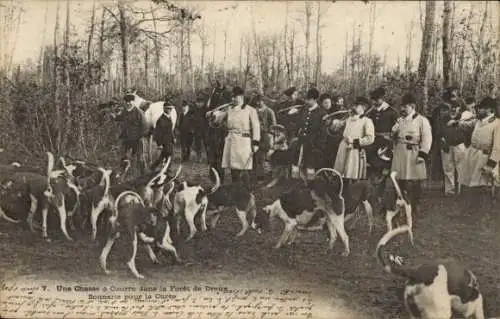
355 285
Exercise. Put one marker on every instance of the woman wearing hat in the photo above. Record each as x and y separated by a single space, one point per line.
482 157
358 134
243 138
412 136
310 137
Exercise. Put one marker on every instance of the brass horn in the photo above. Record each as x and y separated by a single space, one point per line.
215 117
335 122
291 109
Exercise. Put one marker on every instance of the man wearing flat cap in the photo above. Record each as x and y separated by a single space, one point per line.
311 137
412 136
358 134
482 157
243 138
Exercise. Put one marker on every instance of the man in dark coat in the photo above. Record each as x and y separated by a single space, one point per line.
311 136
289 118
186 130
163 135
384 117
215 136
134 129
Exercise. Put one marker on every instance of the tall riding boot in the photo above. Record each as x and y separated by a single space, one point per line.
245 177
235 176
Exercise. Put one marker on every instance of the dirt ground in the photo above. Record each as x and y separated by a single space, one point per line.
355 285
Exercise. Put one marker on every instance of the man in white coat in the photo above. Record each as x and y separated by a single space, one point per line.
412 137
243 138
480 167
359 133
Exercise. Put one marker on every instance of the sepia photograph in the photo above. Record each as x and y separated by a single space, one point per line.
249 159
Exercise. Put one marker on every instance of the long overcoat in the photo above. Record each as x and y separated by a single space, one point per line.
485 146
243 131
413 138
351 158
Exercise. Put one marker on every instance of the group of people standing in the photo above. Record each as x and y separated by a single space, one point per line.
468 136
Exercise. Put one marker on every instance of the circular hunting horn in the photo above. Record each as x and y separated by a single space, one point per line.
335 122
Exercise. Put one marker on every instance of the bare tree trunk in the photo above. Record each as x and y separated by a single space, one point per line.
157 50
307 68
124 45
318 44
241 72
370 43
67 56
203 39
496 71
225 52
181 58
292 55
213 51
409 49
461 60
247 68
56 85
273 65
146 64
430 9
41 69
480 48
101 45
446 44
260 82
89 42
287 61
190 56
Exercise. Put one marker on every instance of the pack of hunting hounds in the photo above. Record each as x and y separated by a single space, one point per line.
150 209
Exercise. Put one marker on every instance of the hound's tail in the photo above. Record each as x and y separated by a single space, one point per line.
216 185
392 264
113 220
7 218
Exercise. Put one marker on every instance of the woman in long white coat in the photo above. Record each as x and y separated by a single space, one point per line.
359 132
243 137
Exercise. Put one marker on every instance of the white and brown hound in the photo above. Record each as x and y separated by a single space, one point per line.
191 200
137 222
433 289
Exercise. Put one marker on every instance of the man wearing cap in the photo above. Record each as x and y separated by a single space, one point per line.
412 136
482 157
186 129
266 119
163 135
311 137
451 138
243 138
289 120
214 141
384 117
134 128
358 134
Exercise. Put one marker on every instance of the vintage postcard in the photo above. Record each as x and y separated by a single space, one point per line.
249 159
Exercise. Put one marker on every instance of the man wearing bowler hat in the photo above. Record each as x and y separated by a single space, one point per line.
412 136
310 137
243 138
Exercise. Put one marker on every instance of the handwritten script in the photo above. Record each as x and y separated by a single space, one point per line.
167 301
